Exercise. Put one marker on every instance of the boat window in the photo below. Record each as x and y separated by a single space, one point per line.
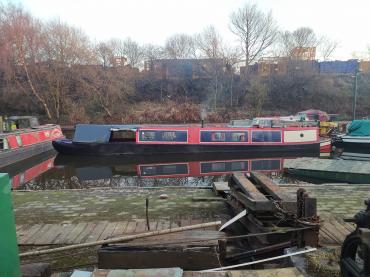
122 135
266 136
169 169
223 136
238 166
266 165
175 136
147 135
224 166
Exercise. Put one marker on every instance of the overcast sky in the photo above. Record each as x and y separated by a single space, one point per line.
152 21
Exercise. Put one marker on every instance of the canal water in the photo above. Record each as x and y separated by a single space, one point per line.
50 171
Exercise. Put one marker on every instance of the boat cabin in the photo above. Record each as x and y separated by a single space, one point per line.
13 123
192 134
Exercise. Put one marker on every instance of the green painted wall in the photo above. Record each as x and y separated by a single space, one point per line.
9 259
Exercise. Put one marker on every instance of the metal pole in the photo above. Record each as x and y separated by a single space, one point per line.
355 95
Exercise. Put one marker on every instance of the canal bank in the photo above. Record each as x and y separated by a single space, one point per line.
49 214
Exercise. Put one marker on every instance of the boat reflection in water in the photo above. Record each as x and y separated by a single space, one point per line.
208 168
68 172
25 171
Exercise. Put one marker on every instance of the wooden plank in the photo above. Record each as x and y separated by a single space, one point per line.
248 187
51 235
65 231
82 237
141 227
196 221
289 199
220 187
23 230
271 188
98 230
131 226
153 225
163 224
252 204
276 272
120 228
31 232
37 237
334 239
185 222
209 237
18 227
174 224
71 238
332 233
338 226
108 231
324 239
349 226
207 199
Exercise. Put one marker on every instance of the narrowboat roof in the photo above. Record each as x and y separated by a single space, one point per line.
97 133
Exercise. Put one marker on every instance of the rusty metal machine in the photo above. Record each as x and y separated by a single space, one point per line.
355 255
288 219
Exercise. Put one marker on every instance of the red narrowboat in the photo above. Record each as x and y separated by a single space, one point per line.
25 139
107 140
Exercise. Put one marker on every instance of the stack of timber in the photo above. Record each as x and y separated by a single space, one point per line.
336 170
288 219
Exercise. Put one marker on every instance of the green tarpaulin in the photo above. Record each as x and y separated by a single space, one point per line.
359 128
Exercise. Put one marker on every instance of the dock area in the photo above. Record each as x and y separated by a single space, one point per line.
347 171
57 218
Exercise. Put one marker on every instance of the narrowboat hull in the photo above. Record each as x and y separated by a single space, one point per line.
16 155
360 145
26 143
69 147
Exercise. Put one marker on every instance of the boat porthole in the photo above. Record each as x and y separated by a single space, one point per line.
302 135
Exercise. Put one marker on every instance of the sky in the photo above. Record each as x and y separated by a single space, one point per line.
152 21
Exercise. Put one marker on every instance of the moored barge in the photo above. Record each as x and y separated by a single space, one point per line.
107 140
357 137
26 139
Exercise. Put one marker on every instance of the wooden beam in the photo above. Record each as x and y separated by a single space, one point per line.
287 199
249 195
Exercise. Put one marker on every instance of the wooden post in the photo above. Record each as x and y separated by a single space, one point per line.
147 213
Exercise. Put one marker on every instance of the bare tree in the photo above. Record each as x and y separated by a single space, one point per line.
152 52
105 54
180 46
304 37
63 46
299 38
24 34
133 52
210 43
256 30
327 47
